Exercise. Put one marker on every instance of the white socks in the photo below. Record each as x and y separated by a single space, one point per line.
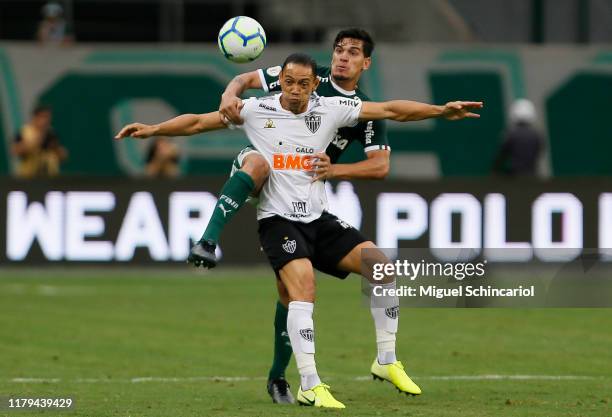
300 326
385 312
301 333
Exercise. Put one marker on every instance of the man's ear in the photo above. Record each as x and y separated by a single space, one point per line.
316 83
366 63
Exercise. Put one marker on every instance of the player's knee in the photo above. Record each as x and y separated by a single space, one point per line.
258 169
373 261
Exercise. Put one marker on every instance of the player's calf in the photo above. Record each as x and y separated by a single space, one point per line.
245 182
298 280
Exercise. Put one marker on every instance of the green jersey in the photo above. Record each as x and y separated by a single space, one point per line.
371 135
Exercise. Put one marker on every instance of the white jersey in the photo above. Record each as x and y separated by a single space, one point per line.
288 141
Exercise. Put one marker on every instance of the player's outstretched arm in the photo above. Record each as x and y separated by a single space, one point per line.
231 104
406 110
183 125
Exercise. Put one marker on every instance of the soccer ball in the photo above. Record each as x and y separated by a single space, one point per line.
242 39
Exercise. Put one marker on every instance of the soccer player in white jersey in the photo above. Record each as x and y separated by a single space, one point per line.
295 230
352 55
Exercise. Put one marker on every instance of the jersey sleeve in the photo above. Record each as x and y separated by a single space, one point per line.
269 78
345 110
374 136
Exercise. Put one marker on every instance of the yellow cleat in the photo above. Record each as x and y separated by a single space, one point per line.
395 374
318 396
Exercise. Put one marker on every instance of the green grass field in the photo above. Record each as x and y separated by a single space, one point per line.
175 342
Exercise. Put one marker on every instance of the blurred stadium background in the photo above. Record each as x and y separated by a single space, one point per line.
111 62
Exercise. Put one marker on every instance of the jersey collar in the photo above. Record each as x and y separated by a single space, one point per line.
340 89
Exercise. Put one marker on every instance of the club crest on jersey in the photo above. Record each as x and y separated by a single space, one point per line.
269 124
307 334
313 121
289 246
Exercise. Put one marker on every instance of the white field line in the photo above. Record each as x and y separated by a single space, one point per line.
48 290
517 377
36 380
144 379
499 377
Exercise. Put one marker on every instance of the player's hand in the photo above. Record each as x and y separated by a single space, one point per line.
456 110
230 109
136 130
322 167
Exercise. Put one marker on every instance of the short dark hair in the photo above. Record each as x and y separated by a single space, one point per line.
41 108
360 34
302 59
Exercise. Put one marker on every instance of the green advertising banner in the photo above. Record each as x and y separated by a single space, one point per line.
94 90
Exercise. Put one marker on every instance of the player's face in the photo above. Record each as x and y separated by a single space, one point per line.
297 83
348 60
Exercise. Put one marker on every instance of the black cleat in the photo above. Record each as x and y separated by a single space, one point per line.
203 254
279 391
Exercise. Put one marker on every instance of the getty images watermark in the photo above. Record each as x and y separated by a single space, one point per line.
419 278
457 271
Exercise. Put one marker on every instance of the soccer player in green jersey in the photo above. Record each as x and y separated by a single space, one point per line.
352 54
313 238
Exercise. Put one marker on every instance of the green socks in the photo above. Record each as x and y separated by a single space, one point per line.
282 344
233 195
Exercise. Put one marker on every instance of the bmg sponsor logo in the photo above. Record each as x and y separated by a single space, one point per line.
283 161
